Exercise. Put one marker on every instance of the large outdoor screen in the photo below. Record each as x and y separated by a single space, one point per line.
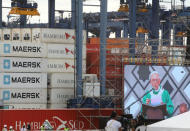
140 88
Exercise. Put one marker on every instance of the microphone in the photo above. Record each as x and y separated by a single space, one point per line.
128 107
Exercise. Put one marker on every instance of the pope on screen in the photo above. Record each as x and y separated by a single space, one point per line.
158 95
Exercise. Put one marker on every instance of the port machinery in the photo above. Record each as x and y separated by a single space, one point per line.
23 7
136 18
133 17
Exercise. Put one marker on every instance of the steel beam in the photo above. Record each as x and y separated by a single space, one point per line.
132 27
23 21
118 33
125 29
103 28
166 30
51 13
155 19
155 26
23 17
73 8
0 13
79 36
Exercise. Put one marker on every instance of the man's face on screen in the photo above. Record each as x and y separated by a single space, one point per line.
155 81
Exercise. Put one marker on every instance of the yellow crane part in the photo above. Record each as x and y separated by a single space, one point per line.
141 30
24 11
144 10
180 34
123 8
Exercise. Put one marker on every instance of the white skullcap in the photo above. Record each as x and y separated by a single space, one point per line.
154 72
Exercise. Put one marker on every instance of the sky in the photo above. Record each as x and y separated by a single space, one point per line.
113 5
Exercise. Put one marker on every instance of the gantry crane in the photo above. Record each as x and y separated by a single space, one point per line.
23 7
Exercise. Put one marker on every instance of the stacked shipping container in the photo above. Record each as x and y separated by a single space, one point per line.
61 64
23 71
34 59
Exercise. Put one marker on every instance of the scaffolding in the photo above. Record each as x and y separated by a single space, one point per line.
118 56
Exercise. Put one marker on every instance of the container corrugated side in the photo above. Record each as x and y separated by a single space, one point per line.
22 96
91 89
23 49
63 51
25 106
61 80
52 35
60 96
7 35
26 34
63 65
17 64
23 80
16 35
